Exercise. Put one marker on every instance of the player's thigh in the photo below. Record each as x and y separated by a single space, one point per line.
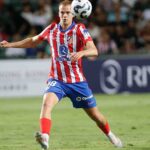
50 100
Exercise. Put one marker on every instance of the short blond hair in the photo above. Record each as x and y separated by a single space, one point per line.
65 2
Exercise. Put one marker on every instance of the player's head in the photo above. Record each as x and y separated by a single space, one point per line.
65 12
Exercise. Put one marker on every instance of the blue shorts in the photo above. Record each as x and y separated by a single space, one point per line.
79 93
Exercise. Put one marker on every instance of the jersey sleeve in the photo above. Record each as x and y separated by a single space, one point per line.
44 34
84 34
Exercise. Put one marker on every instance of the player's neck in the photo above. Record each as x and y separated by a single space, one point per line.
65 26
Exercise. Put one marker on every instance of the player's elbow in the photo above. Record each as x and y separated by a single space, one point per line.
35 41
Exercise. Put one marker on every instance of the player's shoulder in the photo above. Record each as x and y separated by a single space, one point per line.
47 30
81 28
52 25
80 25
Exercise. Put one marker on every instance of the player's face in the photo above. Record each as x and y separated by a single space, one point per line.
65 15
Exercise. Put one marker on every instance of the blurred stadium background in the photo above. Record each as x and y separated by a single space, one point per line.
117 26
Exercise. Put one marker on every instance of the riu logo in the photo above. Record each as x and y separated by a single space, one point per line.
63 53
63 50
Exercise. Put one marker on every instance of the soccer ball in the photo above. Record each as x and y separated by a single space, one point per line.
81 8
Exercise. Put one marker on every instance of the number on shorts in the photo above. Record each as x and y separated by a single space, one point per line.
52 83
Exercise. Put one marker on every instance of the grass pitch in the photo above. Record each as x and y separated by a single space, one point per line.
128 115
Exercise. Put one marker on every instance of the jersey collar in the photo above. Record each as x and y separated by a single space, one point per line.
69 28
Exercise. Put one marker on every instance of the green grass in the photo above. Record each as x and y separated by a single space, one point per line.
128 115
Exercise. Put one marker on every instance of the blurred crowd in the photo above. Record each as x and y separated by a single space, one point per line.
117 26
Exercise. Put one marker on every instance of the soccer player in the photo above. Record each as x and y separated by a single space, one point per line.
69 42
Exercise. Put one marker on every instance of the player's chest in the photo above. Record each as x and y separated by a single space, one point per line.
63 37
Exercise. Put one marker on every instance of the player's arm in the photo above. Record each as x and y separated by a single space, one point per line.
89 51
26 43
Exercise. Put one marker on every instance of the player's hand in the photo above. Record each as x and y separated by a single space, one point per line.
76 56
4 44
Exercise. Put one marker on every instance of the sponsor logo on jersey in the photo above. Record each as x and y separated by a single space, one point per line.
63 53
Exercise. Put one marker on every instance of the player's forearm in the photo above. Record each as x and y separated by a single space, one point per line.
90 52
85 53
26 43
90 49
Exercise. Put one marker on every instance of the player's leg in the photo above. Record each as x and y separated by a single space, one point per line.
49 101
99 119
102 123
82 97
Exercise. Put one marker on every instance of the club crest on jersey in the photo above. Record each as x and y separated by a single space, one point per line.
69 39
63 53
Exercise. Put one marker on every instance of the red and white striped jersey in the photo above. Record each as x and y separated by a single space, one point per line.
62 43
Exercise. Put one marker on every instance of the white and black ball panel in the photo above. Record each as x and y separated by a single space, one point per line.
81 8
